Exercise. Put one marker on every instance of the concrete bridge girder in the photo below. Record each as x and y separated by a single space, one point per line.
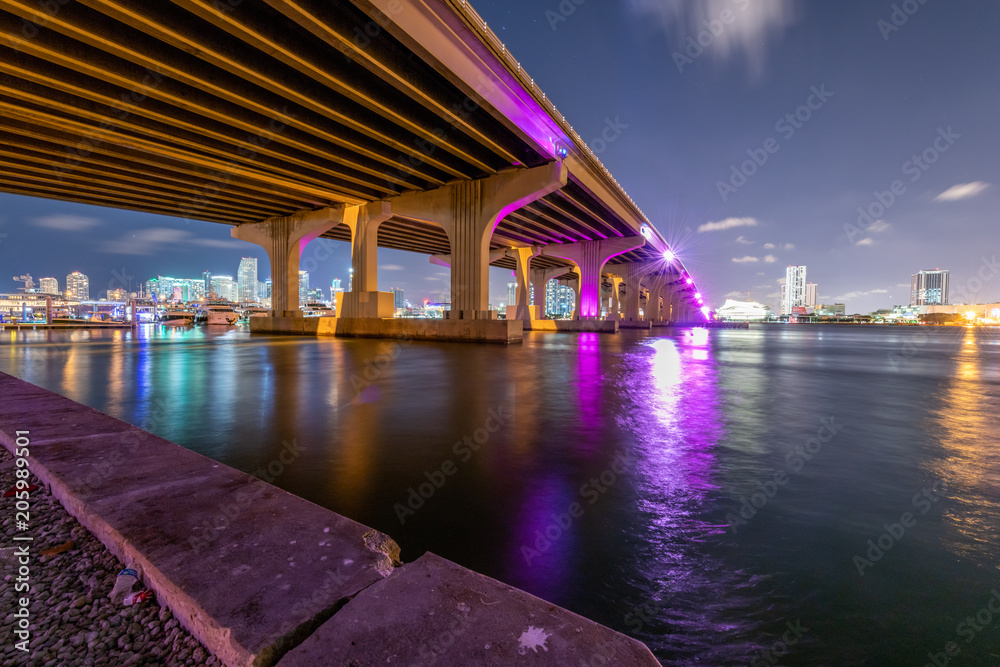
469 211
590 258
284 239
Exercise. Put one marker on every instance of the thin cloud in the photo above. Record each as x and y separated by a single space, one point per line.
866 241
962 191
879 226
728 223
67 223
745 40
788 246
153 240
770 259
742 240
733 294
768 246
855 295
745 259
391 267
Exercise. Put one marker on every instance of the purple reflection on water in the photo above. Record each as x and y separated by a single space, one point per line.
589 386
544 539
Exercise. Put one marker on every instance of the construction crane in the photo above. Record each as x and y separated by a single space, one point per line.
29 283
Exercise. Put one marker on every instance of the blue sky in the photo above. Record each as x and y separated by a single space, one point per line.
880 100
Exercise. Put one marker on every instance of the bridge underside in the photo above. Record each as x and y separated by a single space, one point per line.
242 112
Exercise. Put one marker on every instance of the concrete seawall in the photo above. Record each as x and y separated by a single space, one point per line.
263 577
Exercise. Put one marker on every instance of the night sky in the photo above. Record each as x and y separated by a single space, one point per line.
915 103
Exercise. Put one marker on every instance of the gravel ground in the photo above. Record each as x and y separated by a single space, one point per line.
72 620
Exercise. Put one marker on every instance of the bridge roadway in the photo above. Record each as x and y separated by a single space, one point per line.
383 123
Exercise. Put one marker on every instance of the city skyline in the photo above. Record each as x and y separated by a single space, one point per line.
812 174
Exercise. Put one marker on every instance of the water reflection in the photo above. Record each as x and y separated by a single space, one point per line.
702 416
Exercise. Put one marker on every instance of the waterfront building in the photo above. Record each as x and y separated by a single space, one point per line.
794 290
831 309
117 295
560 300
929 288
511 293
742 311
303 288
48 286
77 286
397 300
811 298
206 277
247 287
224 287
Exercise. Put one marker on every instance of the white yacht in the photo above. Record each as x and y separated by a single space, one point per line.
317 309
217 312
253 311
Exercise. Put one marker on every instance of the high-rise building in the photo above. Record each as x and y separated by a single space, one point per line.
511 294
335 286
794 293
77 286
811 289
303 288
117 295
560 300
224 287
206 277
397 299
929 288
48 286
247 290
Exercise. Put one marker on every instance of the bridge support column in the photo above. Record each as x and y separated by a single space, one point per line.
522 311
651 313
469 212
539 282
632 275
364 221
590 258
615 309
284 239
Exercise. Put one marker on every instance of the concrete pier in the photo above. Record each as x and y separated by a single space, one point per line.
263 577
471 330
590 326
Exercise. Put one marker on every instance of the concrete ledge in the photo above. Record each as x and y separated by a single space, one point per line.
254 572
594 326
250 570
705 325
635 324
482 331
433 611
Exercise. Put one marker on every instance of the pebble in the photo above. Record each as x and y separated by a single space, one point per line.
72 621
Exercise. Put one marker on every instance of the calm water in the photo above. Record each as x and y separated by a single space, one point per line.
615 483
